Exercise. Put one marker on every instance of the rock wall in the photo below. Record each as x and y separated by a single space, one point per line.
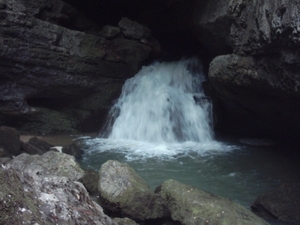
59 72
254 76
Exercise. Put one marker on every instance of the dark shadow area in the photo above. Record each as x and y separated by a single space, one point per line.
50 103
170 21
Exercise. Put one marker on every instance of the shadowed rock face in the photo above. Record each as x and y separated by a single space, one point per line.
280 204
55 79
256 89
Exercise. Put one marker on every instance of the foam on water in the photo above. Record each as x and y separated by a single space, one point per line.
137 150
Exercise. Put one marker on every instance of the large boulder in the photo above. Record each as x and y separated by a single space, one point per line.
281 204
55 78
258 85
123 191
191 206
50 163
44 189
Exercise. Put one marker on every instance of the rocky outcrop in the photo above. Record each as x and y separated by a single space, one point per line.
123 191
191 206
281 204
44 190
51 163
55 78
255 83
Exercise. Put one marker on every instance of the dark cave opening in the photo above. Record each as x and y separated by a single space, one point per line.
171 23
50 103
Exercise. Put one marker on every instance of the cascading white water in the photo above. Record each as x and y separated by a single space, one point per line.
163 103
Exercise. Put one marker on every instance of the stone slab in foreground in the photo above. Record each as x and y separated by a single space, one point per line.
122 190
44 190
192 206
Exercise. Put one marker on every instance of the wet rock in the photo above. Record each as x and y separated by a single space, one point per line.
29 7
127 51
134 30
18 206
10 143
73 149
4 160
2 4
50 163
109 32
48 120
40 144
281 204
44 189
192 206
122 190
30 149
90 180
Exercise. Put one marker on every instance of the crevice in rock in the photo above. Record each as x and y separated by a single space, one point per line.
263 212
50 103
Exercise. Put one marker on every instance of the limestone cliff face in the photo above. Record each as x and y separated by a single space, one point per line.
255 77
58 70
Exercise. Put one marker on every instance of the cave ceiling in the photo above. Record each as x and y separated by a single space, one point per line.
169 20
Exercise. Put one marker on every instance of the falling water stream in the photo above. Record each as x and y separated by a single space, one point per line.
162 126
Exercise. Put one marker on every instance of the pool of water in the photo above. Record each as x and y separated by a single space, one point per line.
229 168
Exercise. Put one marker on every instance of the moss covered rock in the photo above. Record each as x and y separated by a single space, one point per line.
191 206
44 190
17 206
123 190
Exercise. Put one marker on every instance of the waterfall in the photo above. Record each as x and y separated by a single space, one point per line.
163 103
